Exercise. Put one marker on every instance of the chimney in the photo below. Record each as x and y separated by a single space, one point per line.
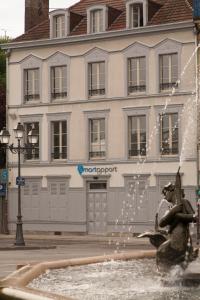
36 11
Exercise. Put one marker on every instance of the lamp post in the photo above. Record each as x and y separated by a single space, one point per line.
19 149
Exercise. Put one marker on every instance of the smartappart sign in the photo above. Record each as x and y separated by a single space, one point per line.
96 170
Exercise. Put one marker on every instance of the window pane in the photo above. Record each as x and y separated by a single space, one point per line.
59 140
32 154
59 82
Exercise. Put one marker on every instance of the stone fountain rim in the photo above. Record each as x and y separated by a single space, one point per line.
17 281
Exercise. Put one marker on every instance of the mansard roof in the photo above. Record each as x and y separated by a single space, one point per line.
160 12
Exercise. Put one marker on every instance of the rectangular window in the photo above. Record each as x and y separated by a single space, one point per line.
59 139
59 82
136 15
97 139
168 64
31 84
169 134
136 75
137 135
96 78
59 26
96 21
32 154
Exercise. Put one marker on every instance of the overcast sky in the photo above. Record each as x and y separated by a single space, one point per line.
12 15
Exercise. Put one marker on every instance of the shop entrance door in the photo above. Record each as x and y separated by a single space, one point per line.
97 208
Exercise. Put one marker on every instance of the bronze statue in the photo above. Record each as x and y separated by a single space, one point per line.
174 246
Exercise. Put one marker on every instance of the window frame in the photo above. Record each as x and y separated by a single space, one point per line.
168 46
104 10
94 56
98 144
29 63
58 117
99 91
169 84
139 88
36 95
136 50
129 10
33 119
136 112
138 133
62 94
58 59
170 139
60 146
96 114
56 14
170 109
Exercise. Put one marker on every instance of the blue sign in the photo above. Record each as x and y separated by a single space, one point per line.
4 175
80 169
20 181
2 189
196 11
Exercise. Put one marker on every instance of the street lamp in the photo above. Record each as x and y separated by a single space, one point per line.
4 140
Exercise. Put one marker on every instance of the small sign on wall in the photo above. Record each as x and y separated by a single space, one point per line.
2 189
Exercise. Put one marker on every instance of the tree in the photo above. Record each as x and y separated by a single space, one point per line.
2 92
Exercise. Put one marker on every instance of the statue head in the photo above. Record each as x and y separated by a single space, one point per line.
168 192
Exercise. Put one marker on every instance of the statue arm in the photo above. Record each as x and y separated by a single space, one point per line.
169 217
186 218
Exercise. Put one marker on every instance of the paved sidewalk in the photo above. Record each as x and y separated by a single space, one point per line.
50 247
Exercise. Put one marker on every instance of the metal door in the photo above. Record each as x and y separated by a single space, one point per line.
97 208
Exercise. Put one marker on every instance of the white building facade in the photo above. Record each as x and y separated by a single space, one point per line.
115 115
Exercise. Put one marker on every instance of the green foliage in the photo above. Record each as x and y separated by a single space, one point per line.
3 62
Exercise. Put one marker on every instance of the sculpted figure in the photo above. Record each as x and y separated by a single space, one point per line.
174 245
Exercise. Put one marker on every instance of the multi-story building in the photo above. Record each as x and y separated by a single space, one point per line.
110 87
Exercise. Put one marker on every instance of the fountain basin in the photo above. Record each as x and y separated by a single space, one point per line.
18 281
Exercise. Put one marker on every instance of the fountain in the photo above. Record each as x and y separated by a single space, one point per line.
174 245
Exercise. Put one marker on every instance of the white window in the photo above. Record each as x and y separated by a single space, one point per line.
59 26
96 80
137 135
58 82
169 134
32 154
136 15
59 139
31 84
168 71
97 139
136 75
96 21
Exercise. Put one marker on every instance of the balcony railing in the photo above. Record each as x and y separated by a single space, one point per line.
136 88
168 85
97 154
59 155
58 95
169 151
32 154
96 92
141 152
30 97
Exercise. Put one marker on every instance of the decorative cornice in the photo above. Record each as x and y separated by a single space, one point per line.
105 35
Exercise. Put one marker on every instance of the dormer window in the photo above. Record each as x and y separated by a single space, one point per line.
97 19
59 23
136 13
59 26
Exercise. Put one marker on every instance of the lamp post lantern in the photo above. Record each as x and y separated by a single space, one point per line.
19 149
